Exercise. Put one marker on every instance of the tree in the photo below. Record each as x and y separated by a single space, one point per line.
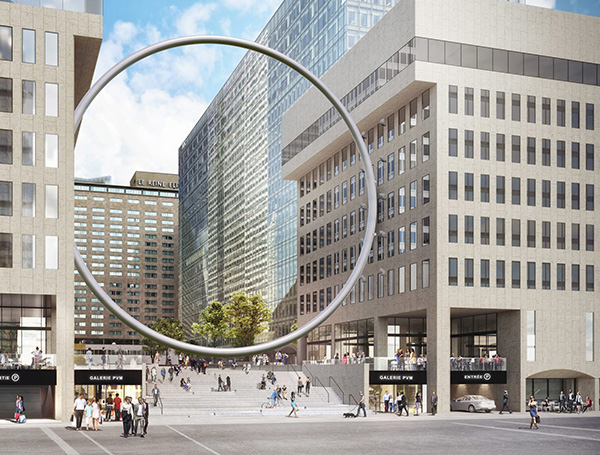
212 323
166 326
293 328
247 317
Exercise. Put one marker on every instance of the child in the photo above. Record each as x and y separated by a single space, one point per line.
88 414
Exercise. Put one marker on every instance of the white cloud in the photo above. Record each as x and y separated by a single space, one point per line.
192 20
542 3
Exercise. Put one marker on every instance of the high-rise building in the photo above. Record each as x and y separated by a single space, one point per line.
480 122
237 218
47 58
128 237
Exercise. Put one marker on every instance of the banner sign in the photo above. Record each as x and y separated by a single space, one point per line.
27 377
478 377
108 377
397 377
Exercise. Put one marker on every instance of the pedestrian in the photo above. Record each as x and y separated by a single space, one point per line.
220 381
88 414
571 401
79 408
434 401
578 402
307 386
103 358
163 373
533 413
294 407
138 413
274 398
153 374
228 381
109 407
505 402
126 413
95 413
117 407
561 401
171 374
361 405
146 415
418 404
119 357
300 386
19 408
587 405
155 394
386 401
403 406
88 357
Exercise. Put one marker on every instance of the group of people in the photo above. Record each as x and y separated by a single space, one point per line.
485 363
348 358
569 403
186 384
224 386
20 410
409 360
399 403
104 359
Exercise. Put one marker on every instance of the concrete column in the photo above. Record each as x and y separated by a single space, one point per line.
509 348
438 356
301 350
380 337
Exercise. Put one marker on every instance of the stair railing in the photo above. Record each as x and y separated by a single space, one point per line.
331 378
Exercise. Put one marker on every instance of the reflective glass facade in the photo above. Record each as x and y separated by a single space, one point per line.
237 215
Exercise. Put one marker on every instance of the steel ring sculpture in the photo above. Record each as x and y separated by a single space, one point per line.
369 180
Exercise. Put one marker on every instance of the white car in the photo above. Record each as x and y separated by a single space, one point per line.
472 403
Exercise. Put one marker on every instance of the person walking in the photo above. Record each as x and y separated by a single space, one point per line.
163 373
505 402
561 401
146 415
294 407
153 374
171 374
434 402
126 413
307 387
109 407
95 413
228 382
533 412
156 394
79 408
418 404
300 386
88 414
103 358
578 402
220 382
19 408
386 401
571 401
117 407
361 405
138 413
402 406
119 358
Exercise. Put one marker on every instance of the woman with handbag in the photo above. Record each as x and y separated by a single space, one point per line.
533 413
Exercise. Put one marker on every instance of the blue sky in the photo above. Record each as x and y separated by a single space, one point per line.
142 117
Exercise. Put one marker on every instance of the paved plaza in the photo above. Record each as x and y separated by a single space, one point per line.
381 434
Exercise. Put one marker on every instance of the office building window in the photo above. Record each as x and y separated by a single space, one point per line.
516 149
545 152
560 113
401 240
469 229
561 236
51 252
531 192
560 277
589 157
5 94
500 232
453 228
589 237
500 274
413 235
28 149
391 122
560 195
589 116
391 166
575 155
469 102
51 201
485 103
575 236
469 144
401 280
6 146
546 233
413 154
485 146
401 121
589 337
28 196
545 193
453 185
516 107
28 53
413 195
361 187
6 250
485 273
516 191
531 336
425 225
546 117
401 160
51 49
425 104
589 197
380 285
531 109
575 277
531 275
28 251
401 200
425 189
453 271
413 113
371 287
426 147
485 230
560 154
485 188
469 185
531 233
575 196
424 273
516 232
391 286
453 99
5 43
574 114
530 150
500 147
28 97
6 199
500 105
51 100
469 272
413 276
452 142
589 278
500 189
516 274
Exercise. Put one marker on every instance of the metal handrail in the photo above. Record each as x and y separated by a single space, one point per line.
352 396
338 386
315 378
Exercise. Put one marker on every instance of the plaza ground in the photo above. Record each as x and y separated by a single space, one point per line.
331 435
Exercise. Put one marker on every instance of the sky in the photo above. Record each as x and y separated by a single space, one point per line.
142 117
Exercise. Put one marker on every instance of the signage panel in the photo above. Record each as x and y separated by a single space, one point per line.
397 377
478 377
27 377
108 377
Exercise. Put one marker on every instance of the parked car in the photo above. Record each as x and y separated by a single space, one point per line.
472 403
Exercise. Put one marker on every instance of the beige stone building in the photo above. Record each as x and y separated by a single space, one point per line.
479 117
47 60
128 237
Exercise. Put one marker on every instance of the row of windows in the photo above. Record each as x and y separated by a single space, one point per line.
384 246
537 233
126 190
530 275
28 46
326 205
28 196
530 191
530 108
28 148
28 251
388 283
386 130
531 149
28 97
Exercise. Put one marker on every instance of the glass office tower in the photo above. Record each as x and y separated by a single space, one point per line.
238 217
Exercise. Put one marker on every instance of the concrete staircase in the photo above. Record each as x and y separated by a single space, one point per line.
244 399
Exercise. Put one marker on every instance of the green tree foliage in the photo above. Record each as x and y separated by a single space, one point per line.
212 323
248 316
166 326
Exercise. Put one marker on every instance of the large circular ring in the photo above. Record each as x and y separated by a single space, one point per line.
369 179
